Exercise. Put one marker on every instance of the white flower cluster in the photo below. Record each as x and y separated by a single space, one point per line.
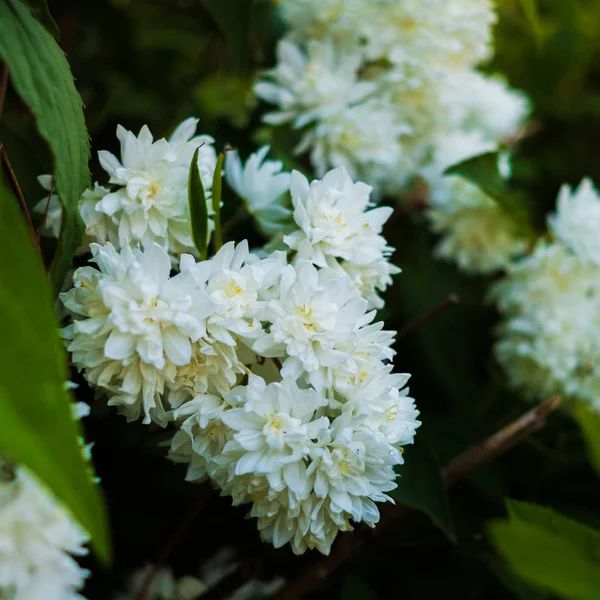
550 302
270 365
38 539
147 202
379 86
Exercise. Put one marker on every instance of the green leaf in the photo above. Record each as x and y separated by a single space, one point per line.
550 551
589 421
356 588
41 76
217 189
37 428
41 12
233 19
531 14
420 486
483 171
198 208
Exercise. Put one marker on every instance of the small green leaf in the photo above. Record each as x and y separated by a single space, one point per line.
233 19
483 171
530 10
217 189
356 588
550 551
37 428
41 76
420 486
198 208
41 12
589 421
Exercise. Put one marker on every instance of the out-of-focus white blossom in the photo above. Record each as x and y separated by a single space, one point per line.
482 104
164 586
263 186
549 300
38 542
577 220
312 85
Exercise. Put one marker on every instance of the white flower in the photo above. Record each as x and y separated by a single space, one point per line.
164 586
151 204
51 207
312 86
136 325
38 539
364 139
313 323
349 470
548 342
308 468
577 220
234 281
334 221
263 186
478 234
370 279
272 430
99 226
482 103
382 398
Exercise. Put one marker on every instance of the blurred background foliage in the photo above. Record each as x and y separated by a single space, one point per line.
157 62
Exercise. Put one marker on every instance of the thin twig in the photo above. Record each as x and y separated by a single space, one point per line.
12 177
3 86
500 442
426 316
349 545
172 542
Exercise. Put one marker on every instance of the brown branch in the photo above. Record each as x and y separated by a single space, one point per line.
184 526
3 86
350 544
12 177
426 316
500 442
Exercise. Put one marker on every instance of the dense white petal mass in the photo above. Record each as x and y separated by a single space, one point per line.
577 220
337 228
38 540
307 464
263 186
135 325
149 204
373 83
269 366
547 341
